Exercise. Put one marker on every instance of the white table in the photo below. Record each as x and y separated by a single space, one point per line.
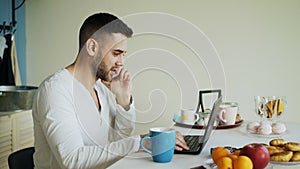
235 137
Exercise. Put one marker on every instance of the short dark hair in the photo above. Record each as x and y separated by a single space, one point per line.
103 22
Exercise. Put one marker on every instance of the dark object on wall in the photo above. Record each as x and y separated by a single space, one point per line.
6 71
13 22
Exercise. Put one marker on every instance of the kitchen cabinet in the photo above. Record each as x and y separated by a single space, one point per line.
16 132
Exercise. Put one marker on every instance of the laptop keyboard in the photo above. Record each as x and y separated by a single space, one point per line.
192 142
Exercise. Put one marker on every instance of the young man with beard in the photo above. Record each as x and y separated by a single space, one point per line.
84 115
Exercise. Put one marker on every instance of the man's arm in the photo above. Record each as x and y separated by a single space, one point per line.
58 120
121 87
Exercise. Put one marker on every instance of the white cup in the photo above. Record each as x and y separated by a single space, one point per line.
189 116
228 113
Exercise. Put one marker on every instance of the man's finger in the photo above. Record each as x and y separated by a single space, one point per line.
180 143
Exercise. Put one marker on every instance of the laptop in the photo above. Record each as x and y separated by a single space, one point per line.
197 142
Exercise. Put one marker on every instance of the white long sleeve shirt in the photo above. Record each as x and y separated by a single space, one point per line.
70 131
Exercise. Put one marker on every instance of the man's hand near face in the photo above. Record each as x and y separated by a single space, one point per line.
121 87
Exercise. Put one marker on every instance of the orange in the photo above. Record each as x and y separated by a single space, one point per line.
237 152
232 156
242 162
224 163
219 152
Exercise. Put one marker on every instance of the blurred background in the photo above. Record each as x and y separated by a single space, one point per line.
245 48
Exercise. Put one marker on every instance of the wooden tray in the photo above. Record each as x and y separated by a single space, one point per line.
176 119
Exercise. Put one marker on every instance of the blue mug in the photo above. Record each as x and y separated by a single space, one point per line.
162 141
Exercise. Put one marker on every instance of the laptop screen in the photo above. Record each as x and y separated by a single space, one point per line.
202 139
210 125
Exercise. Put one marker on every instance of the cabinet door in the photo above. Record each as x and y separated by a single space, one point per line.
16 132
5 140
22 124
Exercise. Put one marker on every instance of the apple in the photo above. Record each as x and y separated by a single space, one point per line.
258 154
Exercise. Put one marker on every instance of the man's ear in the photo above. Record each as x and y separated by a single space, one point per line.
92 47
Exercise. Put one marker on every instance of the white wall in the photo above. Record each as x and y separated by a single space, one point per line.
246 48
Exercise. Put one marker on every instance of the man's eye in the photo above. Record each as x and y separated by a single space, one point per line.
118 54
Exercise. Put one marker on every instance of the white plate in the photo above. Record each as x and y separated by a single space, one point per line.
272 135
286 163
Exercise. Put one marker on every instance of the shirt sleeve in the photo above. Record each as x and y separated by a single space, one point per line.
123 122
57 120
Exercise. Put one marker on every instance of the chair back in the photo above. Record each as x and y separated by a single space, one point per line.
21 159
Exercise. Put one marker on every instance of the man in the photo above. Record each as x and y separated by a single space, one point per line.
84 114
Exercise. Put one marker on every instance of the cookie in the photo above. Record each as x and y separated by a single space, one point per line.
296 156
273 149
277 142
282 156
292 146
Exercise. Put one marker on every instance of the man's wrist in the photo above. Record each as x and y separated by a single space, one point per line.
125 102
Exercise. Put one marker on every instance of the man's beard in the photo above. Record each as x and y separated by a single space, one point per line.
103 72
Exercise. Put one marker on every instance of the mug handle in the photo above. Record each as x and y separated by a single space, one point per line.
197 117
142 145
221 115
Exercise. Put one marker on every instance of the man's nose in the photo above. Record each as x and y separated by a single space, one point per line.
120 61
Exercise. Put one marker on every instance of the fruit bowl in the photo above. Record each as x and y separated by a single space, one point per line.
254 155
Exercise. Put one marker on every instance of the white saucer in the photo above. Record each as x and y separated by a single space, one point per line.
272 135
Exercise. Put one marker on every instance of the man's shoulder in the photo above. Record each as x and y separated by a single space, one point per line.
58 79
